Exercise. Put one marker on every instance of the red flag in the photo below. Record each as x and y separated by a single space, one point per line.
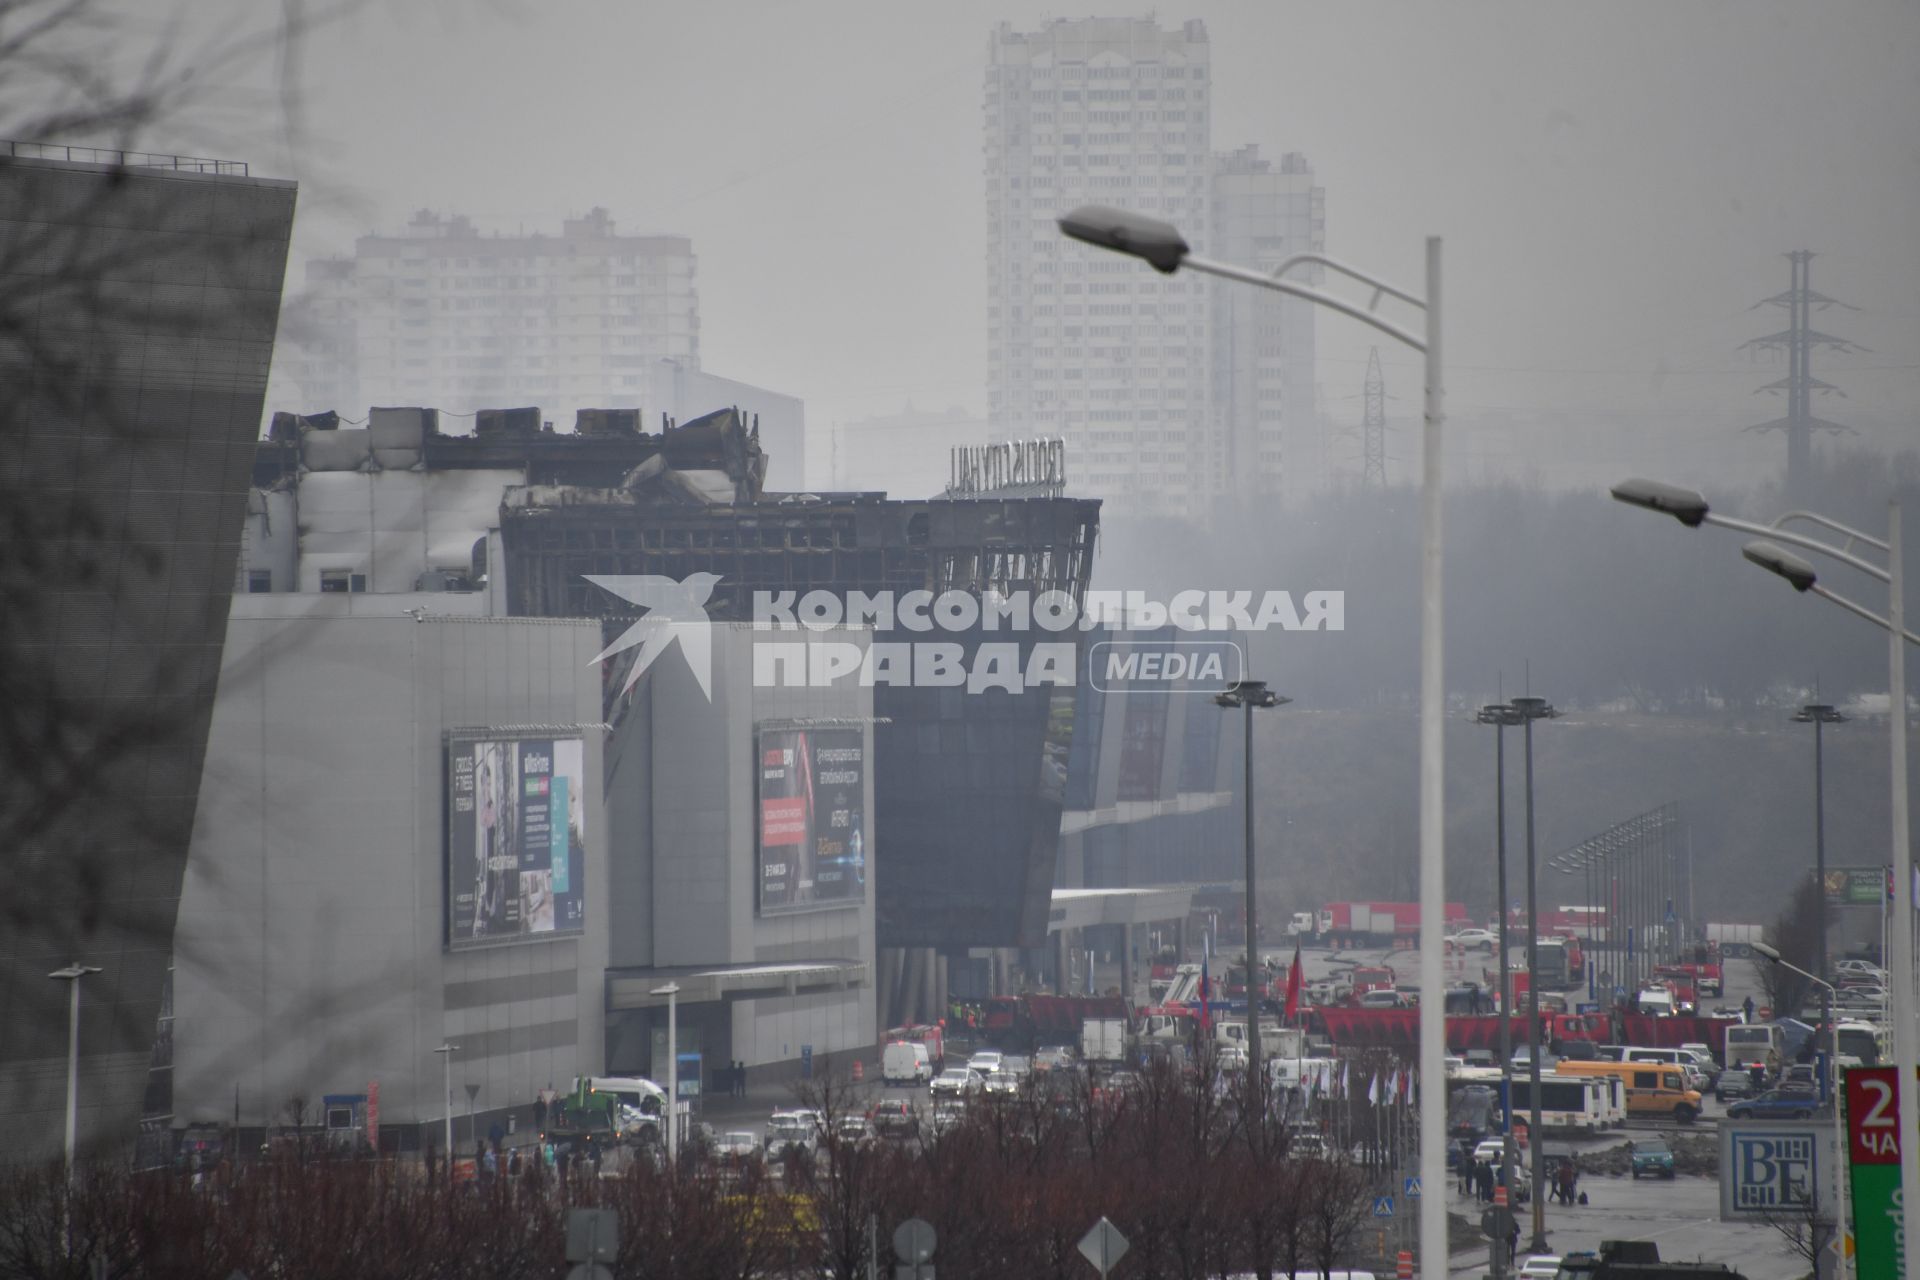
1206 994
1293 984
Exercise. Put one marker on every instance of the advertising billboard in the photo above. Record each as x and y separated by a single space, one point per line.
516 839
812 849
1873 1160
1859 886
1775 1168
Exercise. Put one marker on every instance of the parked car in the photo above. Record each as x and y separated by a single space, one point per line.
1789 1102
792 1131
1002 1084
736 1146
1652 1158
906 1062
956 1083
1053 1058
1732 1085
985 1062
1475 939
1482 1058
853 1129
1541 1266
947 1116
894 1118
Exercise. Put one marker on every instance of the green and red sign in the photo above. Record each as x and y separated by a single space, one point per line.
1873 1153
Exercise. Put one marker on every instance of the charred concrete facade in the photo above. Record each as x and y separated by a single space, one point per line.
139 297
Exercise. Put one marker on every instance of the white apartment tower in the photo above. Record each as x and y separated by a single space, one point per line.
1124 363
442 315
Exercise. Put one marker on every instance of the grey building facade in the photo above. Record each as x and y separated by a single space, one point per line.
138 302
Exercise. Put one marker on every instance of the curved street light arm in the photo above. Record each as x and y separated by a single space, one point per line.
1353 273
1851 534
1800 540
1827 593
1228 271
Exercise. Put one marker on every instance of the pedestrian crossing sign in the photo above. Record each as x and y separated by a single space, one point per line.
1383 1206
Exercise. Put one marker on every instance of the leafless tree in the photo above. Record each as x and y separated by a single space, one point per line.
1795 933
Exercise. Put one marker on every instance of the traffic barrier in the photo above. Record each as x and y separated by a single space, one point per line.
1403 1267
1499 1197
859 1071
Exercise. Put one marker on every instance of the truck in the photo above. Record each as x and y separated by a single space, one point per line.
1300 925
1561 964
1103 1040
1703 974
1363 923
1733 939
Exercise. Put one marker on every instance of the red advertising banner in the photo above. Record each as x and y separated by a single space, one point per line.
1873 1136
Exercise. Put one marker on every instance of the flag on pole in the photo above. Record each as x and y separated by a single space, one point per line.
1293 984
1346 1079
1373 1092
1393 1085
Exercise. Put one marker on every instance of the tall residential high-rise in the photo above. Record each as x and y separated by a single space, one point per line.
444 316
1267 438
1169 396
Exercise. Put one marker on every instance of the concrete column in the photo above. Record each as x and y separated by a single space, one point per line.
1061 965
883 988
1180 941
930 986
912 983
943 997
1126 962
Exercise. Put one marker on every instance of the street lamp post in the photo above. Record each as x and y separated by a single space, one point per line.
1250 695
1161 246
672 992
446 1052
1531 709
71 975
1502 717
1819 715
1833 1098
1692 510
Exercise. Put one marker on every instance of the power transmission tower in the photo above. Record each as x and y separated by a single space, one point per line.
1799 339
1373 470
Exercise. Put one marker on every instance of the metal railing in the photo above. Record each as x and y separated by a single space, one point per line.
123 159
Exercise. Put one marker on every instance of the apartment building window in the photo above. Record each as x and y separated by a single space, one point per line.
342 580
259 582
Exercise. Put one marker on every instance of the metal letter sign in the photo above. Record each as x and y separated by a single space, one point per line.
1383 1206
1873 1152
1103 1246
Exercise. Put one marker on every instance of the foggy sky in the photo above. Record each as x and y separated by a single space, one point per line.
1615 185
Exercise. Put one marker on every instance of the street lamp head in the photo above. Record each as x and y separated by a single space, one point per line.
74 971
1684 505
1159 243
1249 693
1499 713
1778 560
447 1048
1531 708
671 989
1818 712
1766 950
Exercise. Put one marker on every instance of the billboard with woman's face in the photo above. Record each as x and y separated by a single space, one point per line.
516 839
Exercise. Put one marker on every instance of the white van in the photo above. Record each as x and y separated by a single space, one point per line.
905 1062
1682 1058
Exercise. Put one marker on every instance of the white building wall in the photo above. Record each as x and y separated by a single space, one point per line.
310 949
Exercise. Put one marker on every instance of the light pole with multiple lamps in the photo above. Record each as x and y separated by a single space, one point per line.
1503 717
1162 247
1692 510
71 975
446 1052
1819 715
1768 952
1530 709
672 992
1252 695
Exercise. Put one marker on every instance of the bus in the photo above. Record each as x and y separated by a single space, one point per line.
1576 1103
1653 1089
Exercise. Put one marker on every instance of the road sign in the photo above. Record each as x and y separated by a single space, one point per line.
1412 1188
593 1235
1383 1206
1873 1151
1103 1246
913 1241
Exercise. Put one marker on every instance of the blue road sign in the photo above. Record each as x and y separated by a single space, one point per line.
1413 1188
1383 1206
